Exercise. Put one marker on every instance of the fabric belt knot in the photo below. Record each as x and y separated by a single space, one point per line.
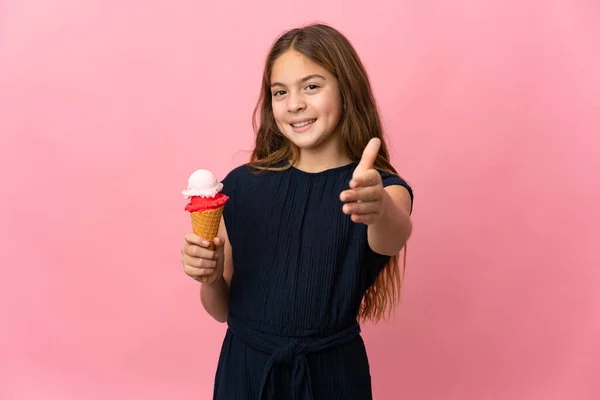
286 354
285 350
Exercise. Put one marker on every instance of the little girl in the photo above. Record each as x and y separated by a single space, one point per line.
309 240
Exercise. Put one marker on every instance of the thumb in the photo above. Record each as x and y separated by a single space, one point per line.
367 161
219 244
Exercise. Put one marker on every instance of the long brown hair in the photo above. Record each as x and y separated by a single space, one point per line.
359 123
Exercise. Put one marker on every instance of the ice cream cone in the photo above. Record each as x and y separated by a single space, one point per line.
206 225
206 203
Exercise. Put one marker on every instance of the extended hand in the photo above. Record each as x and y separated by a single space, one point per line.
364 199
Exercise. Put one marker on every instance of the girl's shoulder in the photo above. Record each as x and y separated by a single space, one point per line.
245 170
234 176
389 179
244 175
393 179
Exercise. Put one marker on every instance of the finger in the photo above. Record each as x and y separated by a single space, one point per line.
369 156
366 219
371 207
197 272
366 178
219 242
195 251
195 262
370 193
193 271
192 238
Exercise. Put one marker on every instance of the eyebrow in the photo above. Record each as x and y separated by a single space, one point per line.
306 78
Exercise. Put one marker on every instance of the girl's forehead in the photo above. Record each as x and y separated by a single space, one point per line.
293 65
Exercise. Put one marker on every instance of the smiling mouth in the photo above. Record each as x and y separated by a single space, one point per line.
303 123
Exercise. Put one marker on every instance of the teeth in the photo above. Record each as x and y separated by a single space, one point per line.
301 124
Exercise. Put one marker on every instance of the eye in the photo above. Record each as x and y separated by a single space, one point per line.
312 87
278 93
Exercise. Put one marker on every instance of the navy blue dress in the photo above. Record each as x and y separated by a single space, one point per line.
301 267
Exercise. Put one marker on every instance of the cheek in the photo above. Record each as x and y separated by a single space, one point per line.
331 105
336 113
277 113
280 110
333 113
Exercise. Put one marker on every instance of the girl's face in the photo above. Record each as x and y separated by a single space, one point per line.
306 101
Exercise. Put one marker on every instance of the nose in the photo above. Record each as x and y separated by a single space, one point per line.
296 102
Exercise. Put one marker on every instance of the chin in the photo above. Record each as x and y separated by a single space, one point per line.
308 140
307 143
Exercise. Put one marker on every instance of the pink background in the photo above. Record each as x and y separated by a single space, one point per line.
492 111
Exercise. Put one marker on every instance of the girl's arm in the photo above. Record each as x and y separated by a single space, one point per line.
215 296
390 232
386 211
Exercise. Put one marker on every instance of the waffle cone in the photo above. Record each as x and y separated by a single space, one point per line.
206 224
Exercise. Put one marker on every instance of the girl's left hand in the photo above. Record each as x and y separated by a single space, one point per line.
364 200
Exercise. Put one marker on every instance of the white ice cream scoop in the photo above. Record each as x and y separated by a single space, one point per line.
202 183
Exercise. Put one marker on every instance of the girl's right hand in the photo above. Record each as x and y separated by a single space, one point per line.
199 261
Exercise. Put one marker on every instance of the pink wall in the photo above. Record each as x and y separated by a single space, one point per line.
493 114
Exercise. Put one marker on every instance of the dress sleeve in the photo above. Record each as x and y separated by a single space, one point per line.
230 189
378 261
229 183
392 179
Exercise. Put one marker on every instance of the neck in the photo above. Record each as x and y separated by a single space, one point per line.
322 158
